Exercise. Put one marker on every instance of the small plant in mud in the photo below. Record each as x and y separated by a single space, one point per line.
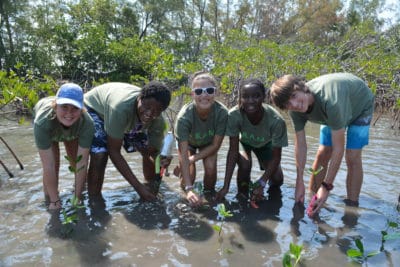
389 236
359 255
293 256
315 172
223 213
70 215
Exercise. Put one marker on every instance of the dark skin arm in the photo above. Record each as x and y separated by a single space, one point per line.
114 150
232 158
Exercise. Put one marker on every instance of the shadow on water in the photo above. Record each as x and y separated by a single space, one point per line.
86 234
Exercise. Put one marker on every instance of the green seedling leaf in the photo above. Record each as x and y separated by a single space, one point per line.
296 250
393 225
223 212
391 236
228 251
79 158
287 260
360 246
315 172
216 228
373 253
71 169
354 253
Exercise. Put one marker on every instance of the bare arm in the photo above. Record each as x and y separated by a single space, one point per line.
183 152
81 174
301 157
232 158
50 177
114 150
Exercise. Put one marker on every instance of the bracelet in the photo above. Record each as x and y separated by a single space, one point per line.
55 202
189 188
261 182
327 186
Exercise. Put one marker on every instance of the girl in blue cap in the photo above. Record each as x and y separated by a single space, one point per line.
62 119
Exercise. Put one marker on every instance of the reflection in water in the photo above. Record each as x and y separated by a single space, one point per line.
120 230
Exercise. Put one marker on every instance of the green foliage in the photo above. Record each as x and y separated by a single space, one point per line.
359 255
70 214
315 172
20 93
294 254
223 213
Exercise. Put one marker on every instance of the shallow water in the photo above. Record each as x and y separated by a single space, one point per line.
122 231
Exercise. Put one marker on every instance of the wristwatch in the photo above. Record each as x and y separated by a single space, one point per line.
327 186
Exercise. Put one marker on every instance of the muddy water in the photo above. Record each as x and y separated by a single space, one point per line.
122 231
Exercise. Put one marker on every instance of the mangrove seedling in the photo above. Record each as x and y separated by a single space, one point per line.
293 256
359 255
317 171
222 215
389 236
70 215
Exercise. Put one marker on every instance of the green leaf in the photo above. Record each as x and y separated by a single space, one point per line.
392 236
286 261
373 253
79 158
71 169
360 245
216 227
228 251
354 253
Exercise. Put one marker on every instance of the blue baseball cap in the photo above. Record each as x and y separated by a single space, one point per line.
70 93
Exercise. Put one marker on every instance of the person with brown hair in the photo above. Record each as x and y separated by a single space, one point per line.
340 102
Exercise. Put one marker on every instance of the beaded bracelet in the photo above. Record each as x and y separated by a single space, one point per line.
261 182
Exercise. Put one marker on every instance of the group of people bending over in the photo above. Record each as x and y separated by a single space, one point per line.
112 116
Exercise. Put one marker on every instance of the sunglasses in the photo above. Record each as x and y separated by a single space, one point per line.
200 91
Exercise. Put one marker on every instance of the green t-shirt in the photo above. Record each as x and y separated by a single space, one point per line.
189 127
116 104
339 99
272 128
47 129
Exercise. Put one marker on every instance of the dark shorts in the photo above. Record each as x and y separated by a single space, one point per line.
262 153
99 143
132 141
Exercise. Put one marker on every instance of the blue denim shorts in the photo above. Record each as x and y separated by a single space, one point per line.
357 134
